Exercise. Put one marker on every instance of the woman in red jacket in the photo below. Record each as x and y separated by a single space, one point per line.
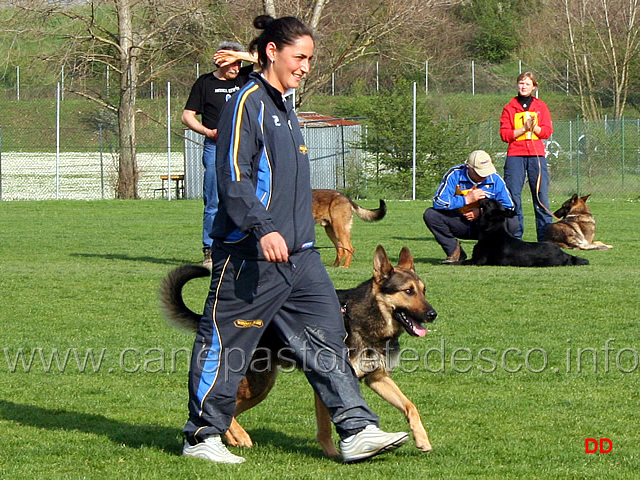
524 123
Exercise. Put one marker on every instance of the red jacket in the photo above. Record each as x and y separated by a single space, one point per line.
513 117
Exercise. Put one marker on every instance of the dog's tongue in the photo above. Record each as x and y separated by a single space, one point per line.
419 330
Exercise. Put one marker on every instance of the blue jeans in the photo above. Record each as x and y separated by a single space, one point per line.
210 190
535 168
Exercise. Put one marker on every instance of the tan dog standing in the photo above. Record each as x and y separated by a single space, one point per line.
375 313
334 211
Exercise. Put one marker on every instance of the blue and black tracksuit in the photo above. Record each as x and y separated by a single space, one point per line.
446 221
264 186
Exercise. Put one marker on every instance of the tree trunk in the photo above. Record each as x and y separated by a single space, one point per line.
128 167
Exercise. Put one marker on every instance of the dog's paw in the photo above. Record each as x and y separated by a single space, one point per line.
424 446
238 440
330 450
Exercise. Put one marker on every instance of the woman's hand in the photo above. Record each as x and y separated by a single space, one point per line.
274 248
530 124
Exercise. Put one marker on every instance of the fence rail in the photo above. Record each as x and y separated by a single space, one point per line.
597 157
601 158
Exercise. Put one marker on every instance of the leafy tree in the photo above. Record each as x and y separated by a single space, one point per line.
389 140
495 27
600 39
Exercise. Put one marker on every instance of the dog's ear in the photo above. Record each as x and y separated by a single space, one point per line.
406 259
574 197
584 199
381 265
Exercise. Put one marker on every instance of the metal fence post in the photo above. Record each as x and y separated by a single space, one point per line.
101 161
578 158
473 77
622 124
570 147
342 152
58 98
0 163
169 142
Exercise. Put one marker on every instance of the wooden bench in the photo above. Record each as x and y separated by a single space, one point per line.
178 179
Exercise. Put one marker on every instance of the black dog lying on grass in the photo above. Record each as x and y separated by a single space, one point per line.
496 246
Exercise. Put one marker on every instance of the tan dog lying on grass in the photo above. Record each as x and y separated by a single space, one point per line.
577 227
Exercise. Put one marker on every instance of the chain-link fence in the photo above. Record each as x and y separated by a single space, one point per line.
601 158
597 157
80 165
84 166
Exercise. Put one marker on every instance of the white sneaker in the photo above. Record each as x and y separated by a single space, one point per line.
370 442
212 449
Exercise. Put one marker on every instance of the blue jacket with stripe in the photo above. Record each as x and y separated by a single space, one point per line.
456 182
263 172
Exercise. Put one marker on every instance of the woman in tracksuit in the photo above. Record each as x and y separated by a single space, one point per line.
265 271
524 123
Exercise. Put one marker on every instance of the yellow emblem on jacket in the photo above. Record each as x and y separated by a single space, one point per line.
248 323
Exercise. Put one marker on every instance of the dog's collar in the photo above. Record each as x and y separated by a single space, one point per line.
344 310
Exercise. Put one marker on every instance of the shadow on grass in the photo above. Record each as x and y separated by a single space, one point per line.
128 258
286 442
133 436
166 439
468 247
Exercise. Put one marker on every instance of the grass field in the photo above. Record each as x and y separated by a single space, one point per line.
521 366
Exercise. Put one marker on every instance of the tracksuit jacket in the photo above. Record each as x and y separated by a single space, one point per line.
513 117
263 185
456 183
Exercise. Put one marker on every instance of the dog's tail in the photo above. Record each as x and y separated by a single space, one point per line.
175 310
370 215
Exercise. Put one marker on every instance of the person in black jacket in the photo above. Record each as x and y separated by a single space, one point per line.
265 271
208 95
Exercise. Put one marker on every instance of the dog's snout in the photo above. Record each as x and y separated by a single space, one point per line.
431 315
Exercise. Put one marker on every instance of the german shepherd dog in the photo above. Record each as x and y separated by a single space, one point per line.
496 246
334 211
375 313
576 228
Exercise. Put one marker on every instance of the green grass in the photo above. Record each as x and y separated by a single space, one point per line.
84 276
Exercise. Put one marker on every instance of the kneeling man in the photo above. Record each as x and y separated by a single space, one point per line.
455 204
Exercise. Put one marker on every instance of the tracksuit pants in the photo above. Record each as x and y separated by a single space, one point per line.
535 169
300 301
449 225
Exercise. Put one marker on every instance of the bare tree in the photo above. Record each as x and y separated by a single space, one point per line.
620 43
600 39
140 36
350 30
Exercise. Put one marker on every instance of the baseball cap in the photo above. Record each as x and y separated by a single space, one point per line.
481 163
